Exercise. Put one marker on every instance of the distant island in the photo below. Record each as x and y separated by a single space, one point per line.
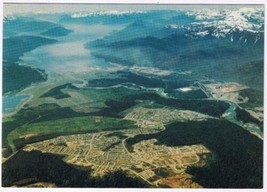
57 32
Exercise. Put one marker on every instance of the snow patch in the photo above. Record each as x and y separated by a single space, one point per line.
173 26
204 14
202 33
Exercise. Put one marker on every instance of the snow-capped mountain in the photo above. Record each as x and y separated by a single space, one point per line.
105 13
244 25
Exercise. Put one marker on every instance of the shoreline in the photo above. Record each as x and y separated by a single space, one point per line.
19 106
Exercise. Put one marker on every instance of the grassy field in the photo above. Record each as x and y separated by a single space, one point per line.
107 94
30 132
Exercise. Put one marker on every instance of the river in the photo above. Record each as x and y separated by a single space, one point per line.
65 56
11 102
230 115
69 53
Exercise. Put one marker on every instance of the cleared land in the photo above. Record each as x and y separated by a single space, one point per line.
108 128
224 91
147 117
155 164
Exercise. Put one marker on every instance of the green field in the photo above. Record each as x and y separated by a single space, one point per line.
39 131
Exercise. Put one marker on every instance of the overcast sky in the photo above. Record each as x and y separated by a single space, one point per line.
59 8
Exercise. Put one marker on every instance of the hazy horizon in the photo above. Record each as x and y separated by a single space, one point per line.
26 8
